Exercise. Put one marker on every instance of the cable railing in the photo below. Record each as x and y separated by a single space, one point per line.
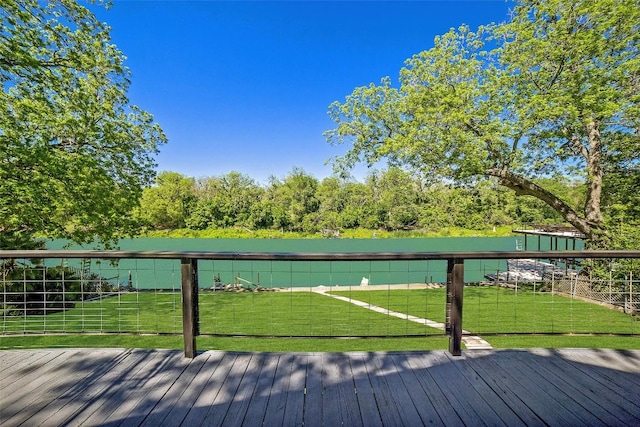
305 295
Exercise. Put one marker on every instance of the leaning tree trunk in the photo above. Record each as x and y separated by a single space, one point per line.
593 230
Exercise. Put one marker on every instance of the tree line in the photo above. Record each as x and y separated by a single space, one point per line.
487 126
484 128
391 199
553 90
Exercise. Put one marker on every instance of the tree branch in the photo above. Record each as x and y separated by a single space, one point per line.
495 153
57 62
524 187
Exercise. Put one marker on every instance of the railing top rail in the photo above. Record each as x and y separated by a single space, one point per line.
308 256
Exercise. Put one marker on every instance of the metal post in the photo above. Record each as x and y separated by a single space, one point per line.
190 315
633 304
449 292
455 270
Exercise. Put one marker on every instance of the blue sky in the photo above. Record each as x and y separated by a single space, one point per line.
245 86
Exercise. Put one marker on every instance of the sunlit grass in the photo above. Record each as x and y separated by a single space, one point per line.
224 343
289 314
298 321
495 309
296 314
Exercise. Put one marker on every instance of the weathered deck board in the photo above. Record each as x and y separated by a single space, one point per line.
494 404
365 393
160 387
343 386
615 391
170 410
277 398
258 405
531 390
594 399
87 388
313 400
443 407
19 367
383 395
17 361
240 404
466 404
294 406
112 399
398 396
541 382
38 391
142 393
498 382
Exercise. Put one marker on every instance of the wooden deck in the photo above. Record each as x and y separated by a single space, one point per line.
156 387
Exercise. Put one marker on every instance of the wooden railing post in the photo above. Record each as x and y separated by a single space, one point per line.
449 293
455 288
190 314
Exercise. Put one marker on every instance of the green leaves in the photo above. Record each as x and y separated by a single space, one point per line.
550 92
73 148
168 204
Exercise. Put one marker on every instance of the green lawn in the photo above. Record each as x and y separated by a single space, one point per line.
223 343
147 319
290 314
144 312
296 314
497 310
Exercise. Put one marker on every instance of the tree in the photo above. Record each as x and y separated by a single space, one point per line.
226 201
552 91
621 196
168 204
359 206
345 203
74 153
330 196
294 201
396 198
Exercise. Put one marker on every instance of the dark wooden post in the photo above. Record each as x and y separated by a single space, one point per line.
447 309
455 274
190 315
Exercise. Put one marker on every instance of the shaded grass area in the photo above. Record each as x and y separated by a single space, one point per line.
501 310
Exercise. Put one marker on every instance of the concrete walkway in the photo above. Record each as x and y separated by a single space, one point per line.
472 342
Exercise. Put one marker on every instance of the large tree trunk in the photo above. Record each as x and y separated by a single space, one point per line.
592 230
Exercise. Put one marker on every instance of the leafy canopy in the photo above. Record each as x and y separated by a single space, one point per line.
75 153
556 90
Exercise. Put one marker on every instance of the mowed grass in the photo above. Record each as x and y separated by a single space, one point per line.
498 310
438 342
301 321
139 312
296 314
286 314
